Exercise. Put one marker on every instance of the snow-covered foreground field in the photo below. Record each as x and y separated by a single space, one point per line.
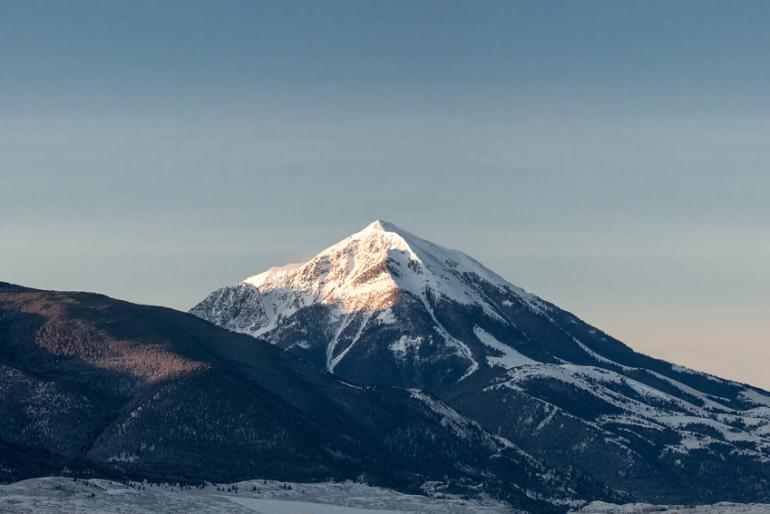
65 496
57 495
643 508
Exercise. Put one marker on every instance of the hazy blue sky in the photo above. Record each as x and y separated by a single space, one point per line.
613 157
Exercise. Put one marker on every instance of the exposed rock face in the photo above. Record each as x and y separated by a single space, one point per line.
386 307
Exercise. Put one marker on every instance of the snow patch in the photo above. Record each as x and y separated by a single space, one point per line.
405 345
510 358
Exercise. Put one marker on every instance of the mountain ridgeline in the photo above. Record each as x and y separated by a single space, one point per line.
384 307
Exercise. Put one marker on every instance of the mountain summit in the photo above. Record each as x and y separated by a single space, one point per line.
382 279
384 306
371 268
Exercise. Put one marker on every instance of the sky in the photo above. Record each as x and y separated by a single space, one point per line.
612 157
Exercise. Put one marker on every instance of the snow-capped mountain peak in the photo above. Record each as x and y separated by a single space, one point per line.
368 269
374 277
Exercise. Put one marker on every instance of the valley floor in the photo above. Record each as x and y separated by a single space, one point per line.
644 508
58 495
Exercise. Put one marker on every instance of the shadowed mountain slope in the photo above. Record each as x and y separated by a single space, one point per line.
93 385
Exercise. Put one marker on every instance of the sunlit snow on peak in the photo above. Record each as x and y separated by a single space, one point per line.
365 276
369 270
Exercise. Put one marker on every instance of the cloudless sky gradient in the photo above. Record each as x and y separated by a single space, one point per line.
612 157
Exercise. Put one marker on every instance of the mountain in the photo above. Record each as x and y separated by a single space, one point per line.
386 307
94 386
